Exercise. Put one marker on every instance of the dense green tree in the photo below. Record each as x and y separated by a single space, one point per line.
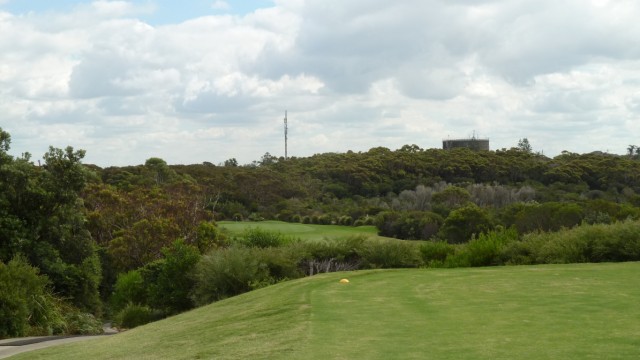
463 223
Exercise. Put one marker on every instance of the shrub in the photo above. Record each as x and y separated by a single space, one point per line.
79 323
134 315
585 243
328 255
27 306
209 237
409 225
484 250
129 288
228 272
463 223
434 253
171 291
256 237
390 254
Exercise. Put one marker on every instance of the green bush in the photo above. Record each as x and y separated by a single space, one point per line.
256 237
27 306
485 250
463 223
134 315
390 254
129 288
409 225
586 243
229 272
434 253
171 290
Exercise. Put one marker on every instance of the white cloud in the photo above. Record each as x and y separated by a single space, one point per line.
565 75
220 5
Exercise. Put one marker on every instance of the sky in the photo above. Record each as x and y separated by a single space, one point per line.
206 80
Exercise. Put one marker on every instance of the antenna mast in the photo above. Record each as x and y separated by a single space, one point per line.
286 130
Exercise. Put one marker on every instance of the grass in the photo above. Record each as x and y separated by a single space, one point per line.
584 311
310 232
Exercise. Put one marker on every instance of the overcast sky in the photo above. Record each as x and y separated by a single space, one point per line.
203 80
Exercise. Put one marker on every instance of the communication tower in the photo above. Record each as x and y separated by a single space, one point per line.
286 130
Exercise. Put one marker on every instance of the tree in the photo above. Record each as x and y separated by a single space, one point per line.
523 145
464 222
231 162
42 217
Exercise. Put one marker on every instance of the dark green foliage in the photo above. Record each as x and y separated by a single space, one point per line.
27 305
586 243
229 272
390 254
128 289
434 253
135 315
463 223
410 225
42 217
171 290
487 249
209 237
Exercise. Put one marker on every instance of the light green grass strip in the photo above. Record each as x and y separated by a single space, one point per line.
586 311
308 232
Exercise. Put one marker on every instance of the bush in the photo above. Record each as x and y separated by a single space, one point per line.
585 243
27 306
463 223
229 272
256 237
409 225
171 290
135 315
79 323
390 254
434 253
484 250
329 255
129 288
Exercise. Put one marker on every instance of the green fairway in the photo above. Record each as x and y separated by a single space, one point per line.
301 231
585 311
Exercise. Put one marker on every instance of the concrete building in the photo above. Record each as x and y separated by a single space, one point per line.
472 143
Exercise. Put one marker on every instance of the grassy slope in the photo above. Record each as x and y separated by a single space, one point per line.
303 231
586 311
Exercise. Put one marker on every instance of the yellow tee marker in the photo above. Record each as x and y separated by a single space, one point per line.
344 281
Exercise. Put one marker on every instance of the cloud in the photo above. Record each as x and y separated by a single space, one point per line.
220 5
353 75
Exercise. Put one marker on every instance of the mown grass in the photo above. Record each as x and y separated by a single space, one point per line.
310 232
584 311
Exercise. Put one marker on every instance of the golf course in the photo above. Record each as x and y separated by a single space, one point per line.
306 232
579 311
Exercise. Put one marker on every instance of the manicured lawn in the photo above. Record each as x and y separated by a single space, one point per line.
585 311
302 231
